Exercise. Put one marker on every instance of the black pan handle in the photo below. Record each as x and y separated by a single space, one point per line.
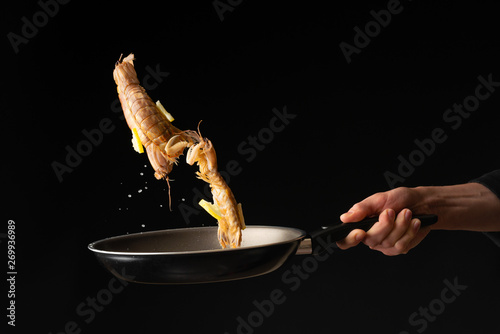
339 232
327 236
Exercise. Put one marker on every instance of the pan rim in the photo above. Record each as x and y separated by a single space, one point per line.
92 246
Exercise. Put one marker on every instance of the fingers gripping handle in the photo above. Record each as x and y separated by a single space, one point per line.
339 232
327 236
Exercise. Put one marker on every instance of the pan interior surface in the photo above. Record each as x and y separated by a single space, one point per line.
192 240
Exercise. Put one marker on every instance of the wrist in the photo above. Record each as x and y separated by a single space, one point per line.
426 200
444 201
469 206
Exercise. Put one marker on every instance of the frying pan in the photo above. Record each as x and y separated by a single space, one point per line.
193 255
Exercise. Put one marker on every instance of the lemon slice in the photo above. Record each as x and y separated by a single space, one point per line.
136 141
212 209
164 111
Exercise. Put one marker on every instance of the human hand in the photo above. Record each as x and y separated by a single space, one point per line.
396 232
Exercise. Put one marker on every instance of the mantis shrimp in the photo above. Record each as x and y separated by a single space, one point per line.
230 218
142 114
164 143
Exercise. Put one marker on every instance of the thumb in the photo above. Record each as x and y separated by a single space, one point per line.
370 206
355 214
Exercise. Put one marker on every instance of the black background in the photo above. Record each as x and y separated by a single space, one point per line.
352 122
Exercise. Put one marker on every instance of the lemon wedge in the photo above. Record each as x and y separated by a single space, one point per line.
136 141
212 209
164 111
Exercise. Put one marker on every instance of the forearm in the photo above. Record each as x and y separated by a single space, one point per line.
469 206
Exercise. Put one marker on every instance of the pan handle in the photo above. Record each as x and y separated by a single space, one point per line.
339 232
326 238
